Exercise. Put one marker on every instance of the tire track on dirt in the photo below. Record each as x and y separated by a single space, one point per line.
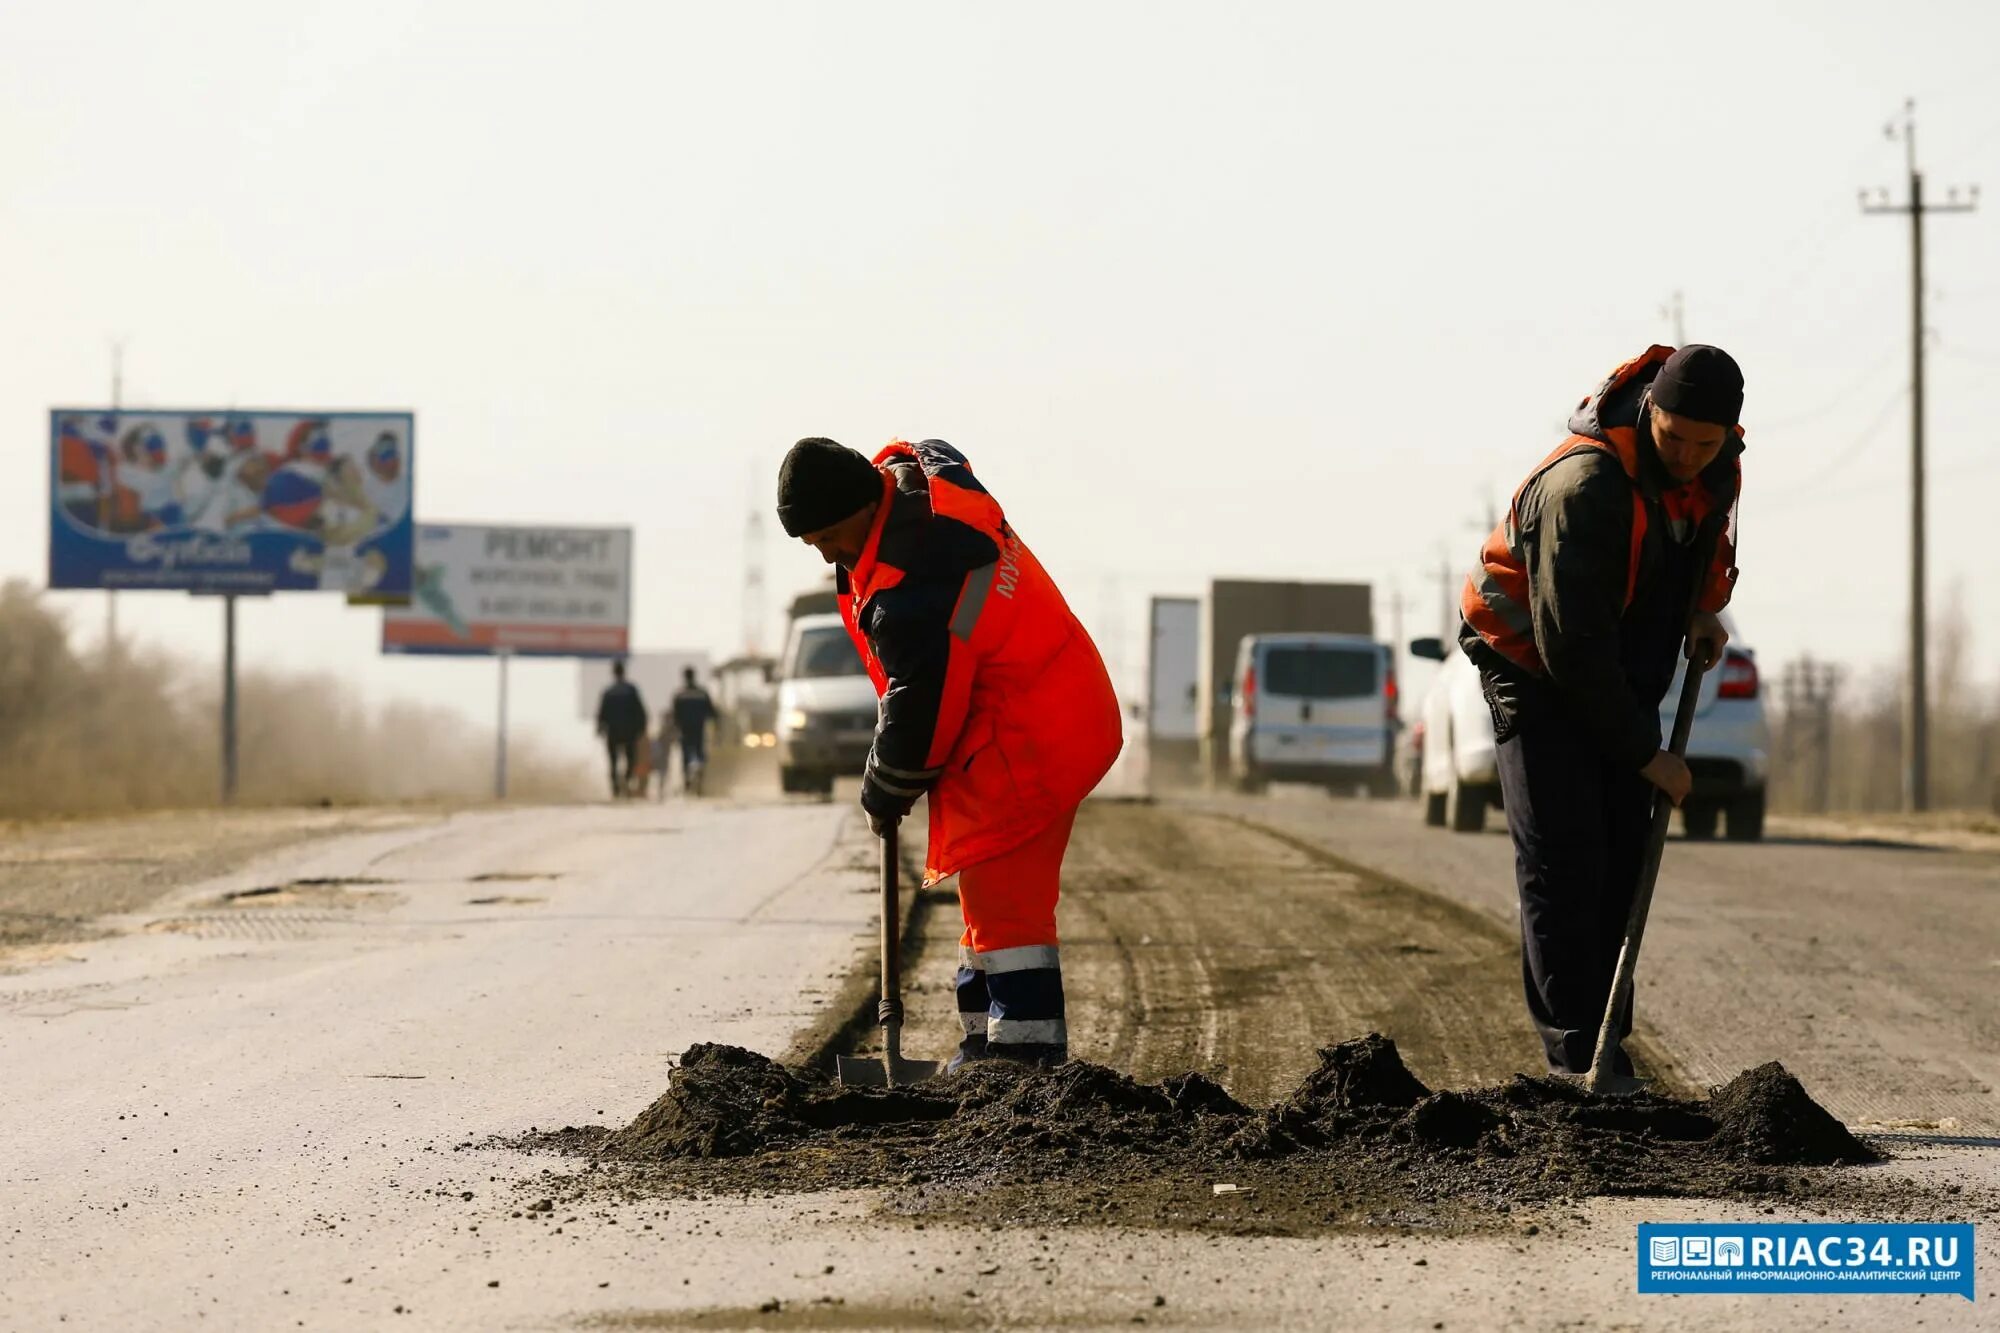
1199 940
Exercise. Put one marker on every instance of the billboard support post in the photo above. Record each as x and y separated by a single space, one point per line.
229 699
500 741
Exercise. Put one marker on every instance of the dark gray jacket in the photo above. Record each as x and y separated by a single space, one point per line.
1609 664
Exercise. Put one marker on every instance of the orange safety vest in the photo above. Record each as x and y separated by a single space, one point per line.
1029 723
1495 599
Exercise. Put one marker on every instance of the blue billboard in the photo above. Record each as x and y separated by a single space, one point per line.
231 500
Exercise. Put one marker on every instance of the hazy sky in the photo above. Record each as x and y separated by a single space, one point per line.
1266 290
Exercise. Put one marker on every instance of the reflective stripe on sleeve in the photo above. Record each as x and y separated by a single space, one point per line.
1511 613
972 601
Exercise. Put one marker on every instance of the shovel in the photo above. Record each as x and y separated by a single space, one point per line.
1603 1077
892 1070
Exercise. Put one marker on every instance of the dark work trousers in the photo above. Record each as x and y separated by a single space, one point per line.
624 753
1579 824
694 752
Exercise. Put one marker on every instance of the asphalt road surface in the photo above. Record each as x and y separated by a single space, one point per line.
1870 971
269 1099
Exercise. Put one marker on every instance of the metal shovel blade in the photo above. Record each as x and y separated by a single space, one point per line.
889 1070
859 1072
1615 1085
1608 1084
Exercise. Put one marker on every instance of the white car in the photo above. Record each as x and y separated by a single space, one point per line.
826 706
1729 750
1313 707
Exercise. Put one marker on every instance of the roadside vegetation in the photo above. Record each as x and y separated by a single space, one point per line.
135 729
1843 751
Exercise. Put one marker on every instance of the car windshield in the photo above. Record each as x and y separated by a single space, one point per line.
1319 673
825 652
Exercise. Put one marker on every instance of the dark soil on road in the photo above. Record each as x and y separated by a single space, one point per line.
1194 939
1360 1141
1207 960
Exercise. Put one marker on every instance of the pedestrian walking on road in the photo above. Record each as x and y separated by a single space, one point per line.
1575 616
692 710
995 703
621 721
662 741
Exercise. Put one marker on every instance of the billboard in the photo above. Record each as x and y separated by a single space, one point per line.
232 500
532 591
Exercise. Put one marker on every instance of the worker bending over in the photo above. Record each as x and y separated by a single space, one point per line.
994 702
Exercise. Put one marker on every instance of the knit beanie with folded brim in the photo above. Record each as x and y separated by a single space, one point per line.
1701 382
820 483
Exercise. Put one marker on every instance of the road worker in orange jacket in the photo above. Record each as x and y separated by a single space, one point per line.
1575 615
994 703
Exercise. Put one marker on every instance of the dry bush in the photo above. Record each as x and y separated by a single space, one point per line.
137 729
1864 771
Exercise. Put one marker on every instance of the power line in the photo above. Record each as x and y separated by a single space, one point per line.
1835 401
1833 466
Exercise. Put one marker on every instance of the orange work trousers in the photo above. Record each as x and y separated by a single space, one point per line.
1010 901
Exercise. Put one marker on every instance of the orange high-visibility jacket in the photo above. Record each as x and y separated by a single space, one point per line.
994 698
1496 598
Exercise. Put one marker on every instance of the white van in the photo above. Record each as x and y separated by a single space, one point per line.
1317 708
826 706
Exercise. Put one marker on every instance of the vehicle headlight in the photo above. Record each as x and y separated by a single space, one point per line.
796 720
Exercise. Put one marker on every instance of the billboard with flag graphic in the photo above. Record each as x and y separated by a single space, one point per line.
231 500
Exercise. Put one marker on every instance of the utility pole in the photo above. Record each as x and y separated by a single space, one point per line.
117 404
1916 719
1448 612
229 698
1810 689
1396 641
753 582
1675 313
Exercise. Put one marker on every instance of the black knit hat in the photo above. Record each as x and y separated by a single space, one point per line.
1701 382
820 483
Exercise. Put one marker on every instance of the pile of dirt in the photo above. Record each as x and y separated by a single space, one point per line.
1361 1140
724 1101
1763 1115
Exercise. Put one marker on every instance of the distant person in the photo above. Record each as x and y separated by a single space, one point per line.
1575 615
693 710
621 721
994 701
661 742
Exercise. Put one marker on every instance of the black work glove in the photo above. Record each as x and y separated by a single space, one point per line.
884 803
